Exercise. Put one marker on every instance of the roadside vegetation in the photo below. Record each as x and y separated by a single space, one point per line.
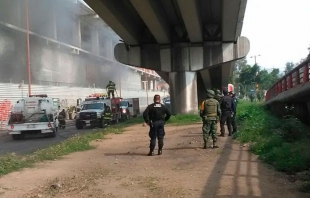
12 162
282 142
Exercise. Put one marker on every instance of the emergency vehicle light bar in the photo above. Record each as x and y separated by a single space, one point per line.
39 95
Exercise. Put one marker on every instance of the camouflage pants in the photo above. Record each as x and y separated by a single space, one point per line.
209 128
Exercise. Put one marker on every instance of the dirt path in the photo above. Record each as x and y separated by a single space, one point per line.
119 167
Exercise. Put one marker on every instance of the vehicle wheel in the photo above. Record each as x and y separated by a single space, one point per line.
52 135
79 126
126 117
18 136
116 120
102 123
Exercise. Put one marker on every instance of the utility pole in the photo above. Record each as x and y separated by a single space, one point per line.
255 57
254 81
120 81
146 88
28 49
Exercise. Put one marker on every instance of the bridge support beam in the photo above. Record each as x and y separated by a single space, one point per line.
183 92
179 64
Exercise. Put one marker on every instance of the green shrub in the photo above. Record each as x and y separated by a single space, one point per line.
280 142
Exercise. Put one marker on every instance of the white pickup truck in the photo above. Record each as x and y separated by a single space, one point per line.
33 115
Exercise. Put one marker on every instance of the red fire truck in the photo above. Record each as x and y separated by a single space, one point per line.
91 113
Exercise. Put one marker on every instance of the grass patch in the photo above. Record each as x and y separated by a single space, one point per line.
281 142
184 119
12 162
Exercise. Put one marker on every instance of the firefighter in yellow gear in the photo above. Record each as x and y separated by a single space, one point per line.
107 115
111 88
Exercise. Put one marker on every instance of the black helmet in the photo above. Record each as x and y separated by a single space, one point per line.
210 93
110 81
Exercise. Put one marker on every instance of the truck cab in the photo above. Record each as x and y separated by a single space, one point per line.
91 113
130 107
125 109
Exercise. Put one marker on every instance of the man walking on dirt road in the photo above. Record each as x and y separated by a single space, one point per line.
155 115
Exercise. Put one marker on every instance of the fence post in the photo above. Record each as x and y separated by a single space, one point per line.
284 84
306 74
297 78
289 81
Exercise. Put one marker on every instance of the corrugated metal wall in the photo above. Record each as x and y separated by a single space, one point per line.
10 93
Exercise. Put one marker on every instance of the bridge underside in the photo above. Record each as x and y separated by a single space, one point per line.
190 44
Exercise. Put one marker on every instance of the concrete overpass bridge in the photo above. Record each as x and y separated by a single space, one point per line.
191 44
293 90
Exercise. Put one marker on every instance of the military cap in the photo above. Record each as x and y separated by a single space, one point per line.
217 91
210 93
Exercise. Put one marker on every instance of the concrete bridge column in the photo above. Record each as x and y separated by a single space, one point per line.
183 92
155 85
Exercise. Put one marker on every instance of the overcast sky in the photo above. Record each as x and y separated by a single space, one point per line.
278 30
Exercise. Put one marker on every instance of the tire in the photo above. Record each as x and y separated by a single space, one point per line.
18 136
102 122
52 135
79 126
116 120
126 117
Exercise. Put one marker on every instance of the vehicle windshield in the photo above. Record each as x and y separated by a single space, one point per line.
167 101
92 106
124 104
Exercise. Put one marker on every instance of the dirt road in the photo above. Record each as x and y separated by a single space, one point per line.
119 167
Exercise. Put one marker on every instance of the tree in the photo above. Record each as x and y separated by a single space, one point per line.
288 67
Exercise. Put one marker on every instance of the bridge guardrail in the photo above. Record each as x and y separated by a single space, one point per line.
298 75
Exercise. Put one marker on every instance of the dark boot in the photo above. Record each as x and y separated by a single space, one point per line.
160 151
160 146
214 145
205 144
152 147
151 153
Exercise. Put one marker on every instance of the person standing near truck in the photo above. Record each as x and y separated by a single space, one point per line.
107 115
110 89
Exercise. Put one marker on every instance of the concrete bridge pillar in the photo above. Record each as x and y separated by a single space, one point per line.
183 92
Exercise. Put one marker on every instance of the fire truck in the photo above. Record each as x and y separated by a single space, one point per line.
91 113
130 107
33 115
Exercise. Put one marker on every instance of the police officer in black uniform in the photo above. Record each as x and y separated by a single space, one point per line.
227 107
155 115
234 111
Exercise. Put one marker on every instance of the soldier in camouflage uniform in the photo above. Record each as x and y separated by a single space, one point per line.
218 95
210 112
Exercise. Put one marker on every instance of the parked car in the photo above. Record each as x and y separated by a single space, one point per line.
166 102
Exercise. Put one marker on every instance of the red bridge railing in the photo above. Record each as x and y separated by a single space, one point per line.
299 75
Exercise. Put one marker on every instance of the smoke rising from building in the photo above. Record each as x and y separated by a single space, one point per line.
69 45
